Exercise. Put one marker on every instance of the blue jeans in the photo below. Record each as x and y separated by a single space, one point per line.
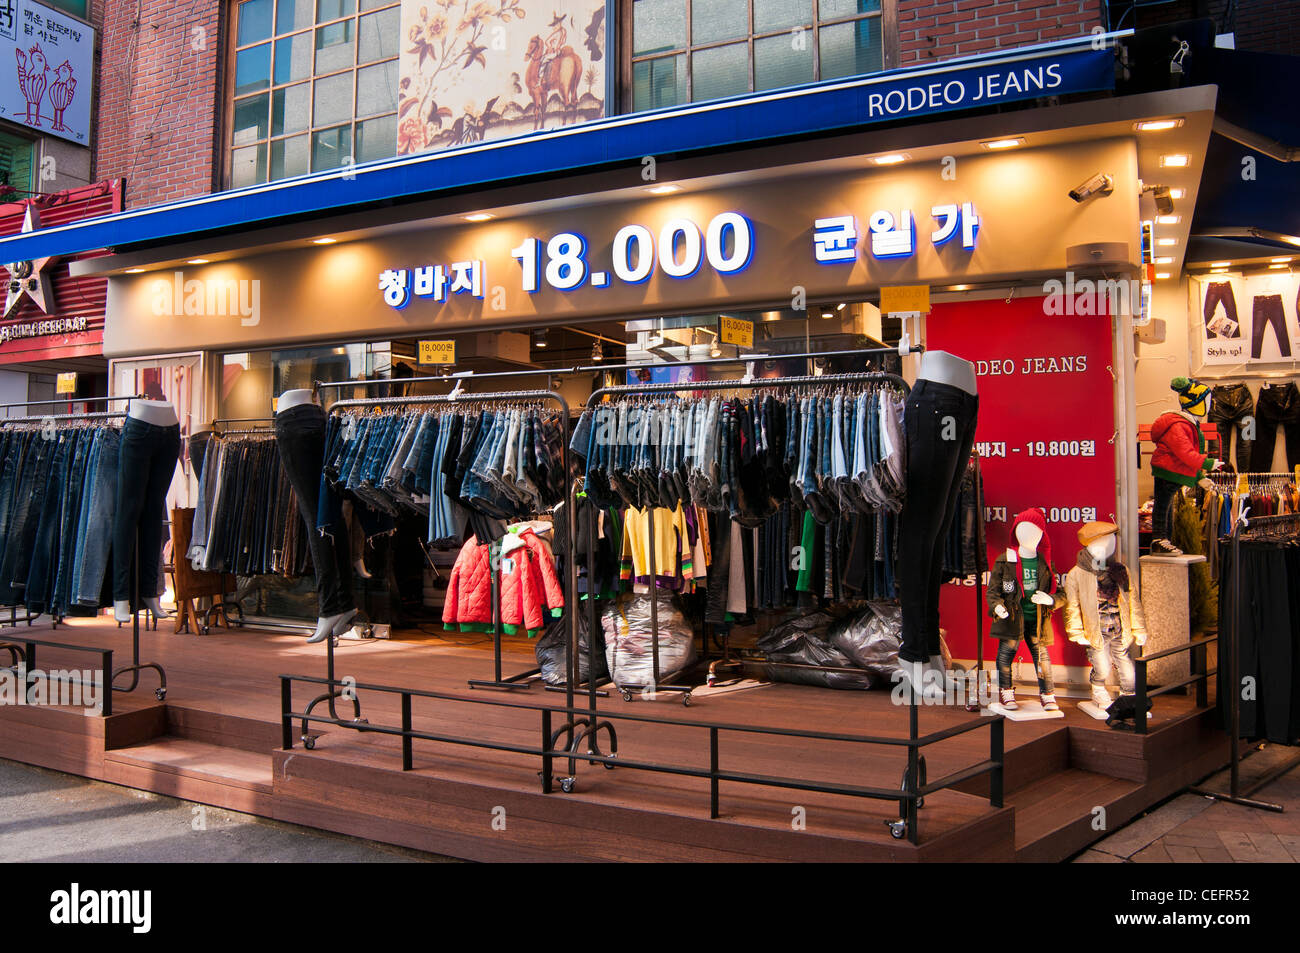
95 522
146 463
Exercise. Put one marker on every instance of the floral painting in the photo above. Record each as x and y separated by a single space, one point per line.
479 69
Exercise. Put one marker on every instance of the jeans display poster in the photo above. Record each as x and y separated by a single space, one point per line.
1046 418
1247 320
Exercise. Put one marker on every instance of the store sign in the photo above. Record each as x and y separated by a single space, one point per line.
38 329
736 331
905 299
1243 321
437 352
48 79
1046 418
66 383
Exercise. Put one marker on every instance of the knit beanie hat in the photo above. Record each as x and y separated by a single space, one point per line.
1034 516
1191 394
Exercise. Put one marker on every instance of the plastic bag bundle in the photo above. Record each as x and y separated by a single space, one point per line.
807 641
550 650
629 645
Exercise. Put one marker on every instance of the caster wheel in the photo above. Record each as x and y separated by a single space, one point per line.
308 742
608 766
897 829
686 701
627 696
567 785
161 693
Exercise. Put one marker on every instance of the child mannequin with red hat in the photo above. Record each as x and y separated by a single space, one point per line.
1022 597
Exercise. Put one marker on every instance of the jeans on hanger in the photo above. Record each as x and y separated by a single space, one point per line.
44 559
940 430
95 522
1267 312
146 462
300 439
1220 292
1230 407
1276 405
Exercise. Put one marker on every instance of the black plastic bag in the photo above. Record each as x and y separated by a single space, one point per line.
551 652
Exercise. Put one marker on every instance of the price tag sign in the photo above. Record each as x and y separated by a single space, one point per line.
437 352
900 299
67 383
736 331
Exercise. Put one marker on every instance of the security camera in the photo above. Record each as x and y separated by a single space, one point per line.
1099 184
1164 201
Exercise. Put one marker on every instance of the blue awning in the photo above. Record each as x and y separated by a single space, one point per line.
970 83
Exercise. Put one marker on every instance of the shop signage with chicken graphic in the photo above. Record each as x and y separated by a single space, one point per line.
46 83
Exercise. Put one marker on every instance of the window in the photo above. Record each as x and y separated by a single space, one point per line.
16 161
692 50
78 8
314 86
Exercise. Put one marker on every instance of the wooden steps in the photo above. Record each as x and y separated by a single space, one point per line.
195 771
1062 813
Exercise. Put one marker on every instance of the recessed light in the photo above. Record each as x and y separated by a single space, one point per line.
828 314
1158 125
1167 219
960 288
995 144
1166 241
1164 261
1279 267
841 306
1218 271
1177 193
771 315
1175 161
1163 275
1280 261
197 261
1220 264
479 217
892 158
323 241
135 271
664 189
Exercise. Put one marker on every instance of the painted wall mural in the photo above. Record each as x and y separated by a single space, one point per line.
488 69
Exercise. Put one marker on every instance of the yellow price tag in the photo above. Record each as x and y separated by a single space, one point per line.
736 331
67 383
904 299
437 352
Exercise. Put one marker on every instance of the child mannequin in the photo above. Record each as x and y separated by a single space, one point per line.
1102 612
1180 458
1021 597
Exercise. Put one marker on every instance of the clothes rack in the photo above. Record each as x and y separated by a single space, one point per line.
973 704
1235 794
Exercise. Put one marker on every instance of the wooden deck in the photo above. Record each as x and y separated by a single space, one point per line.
216 740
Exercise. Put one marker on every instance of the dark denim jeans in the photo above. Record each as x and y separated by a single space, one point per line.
146 463
939 421
95 522
1276 405
300 437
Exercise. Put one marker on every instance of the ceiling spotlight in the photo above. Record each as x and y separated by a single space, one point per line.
323 241
197 261
1164 261
663 189
1166 242
135 271
597 350
960 288
1277 267
479 217
828 314
841 306
1162 275
1177 193
1280 261
996 144
1220 264
1158 125
1175 161
539 338
1167 219
892 158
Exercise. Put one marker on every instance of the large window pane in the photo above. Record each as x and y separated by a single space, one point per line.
333 9
329 148
720 71
293 15
718 20
772 15
377 88
288 157
254 22
248 166
377 139
332 99
252 69
834 9
848 49
250 120
374 4
293 58
334 47
658 25
289 109
777 62
377 36
659 83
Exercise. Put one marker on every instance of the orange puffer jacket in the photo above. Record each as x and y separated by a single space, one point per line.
469 592
529 585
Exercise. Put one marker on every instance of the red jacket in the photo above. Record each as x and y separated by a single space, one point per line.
529 585
1180 449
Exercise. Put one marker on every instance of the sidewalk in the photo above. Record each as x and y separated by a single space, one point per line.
1191 829
50 816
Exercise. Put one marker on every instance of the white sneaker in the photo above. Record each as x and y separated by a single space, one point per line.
1101 697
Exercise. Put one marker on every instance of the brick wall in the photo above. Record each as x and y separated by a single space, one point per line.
159 87
928 31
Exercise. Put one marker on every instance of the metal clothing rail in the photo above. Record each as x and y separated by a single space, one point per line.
522 679
69 400
1232 647
597 368
136 666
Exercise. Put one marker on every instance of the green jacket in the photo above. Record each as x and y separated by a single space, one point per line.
1005 589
